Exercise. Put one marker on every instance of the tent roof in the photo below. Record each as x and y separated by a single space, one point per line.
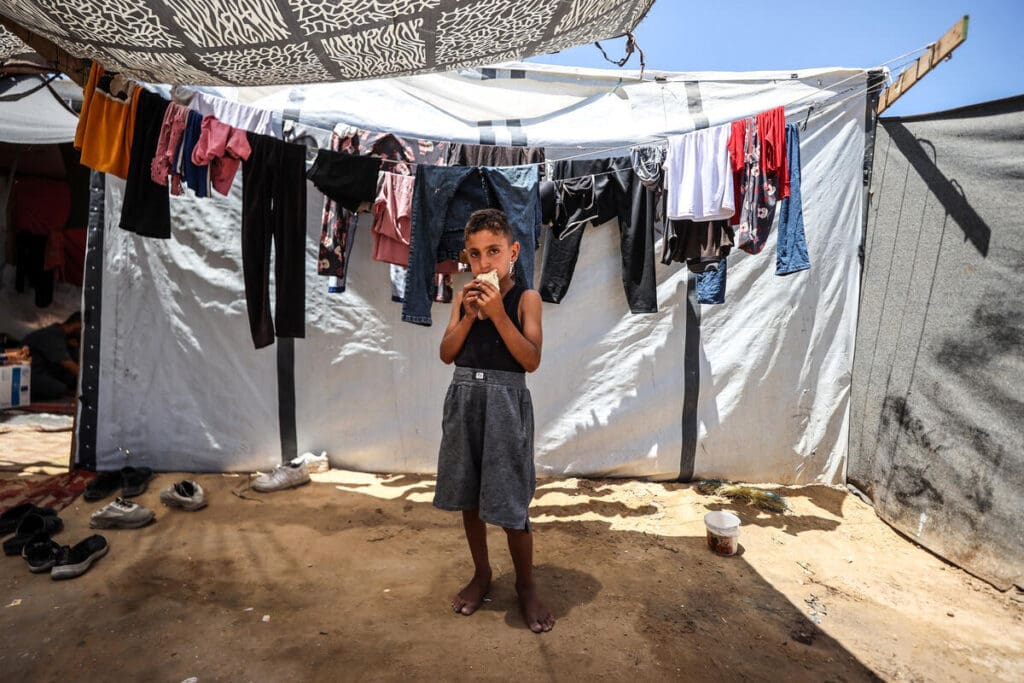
37 117
262 42
549 106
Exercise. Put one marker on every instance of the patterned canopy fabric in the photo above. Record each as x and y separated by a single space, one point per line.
271 42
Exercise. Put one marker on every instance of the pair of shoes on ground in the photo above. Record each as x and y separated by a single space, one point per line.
282 477
186 494
121 514
62 561
34 524
131 480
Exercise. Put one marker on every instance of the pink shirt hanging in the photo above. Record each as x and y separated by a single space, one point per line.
223 148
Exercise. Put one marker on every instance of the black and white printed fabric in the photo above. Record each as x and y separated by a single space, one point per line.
267 42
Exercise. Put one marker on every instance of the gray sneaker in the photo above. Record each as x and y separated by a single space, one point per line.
283 477
187 495
121 514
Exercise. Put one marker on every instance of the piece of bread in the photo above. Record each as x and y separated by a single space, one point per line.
491 277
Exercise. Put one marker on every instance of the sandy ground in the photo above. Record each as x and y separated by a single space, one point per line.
350 578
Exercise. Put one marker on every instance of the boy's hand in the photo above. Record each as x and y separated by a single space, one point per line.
470 296
488 300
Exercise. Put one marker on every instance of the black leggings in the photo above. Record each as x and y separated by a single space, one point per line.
274 209
596 191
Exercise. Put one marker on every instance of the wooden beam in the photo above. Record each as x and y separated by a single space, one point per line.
933 54
77 69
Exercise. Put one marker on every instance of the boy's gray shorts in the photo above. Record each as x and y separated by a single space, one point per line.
486 456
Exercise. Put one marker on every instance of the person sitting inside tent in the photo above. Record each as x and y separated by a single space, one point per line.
55 358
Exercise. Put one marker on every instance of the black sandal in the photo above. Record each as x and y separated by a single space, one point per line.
10 519
31 526
102 486
134 480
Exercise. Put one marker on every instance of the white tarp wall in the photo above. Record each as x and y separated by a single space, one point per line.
181 387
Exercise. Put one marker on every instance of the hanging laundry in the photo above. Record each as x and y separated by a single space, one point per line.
493 155
791 247
222 148
399 156
711 284
234 114
771 129
741 131
274 212
698 177
699 245
171 131
592 192
146 207
193 175
106 122
392 217
761 191
443 198
348 179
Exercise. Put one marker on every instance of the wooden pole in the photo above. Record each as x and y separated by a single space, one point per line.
77 69
934 53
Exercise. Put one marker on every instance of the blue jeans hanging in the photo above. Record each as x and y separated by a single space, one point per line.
791 248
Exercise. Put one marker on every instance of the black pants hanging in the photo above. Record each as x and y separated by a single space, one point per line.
146 209
602 189
274 210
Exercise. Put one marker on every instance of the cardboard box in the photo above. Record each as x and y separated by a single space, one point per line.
14 385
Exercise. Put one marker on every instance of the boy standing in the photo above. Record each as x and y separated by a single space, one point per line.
485 467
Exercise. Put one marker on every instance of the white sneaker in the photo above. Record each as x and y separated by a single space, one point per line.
121 514
314 463
187 495
283 477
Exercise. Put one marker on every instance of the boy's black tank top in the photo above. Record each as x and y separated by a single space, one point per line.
484 347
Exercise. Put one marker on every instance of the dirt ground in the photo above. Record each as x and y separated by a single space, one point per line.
350 578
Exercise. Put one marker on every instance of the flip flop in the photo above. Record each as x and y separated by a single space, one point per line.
134 480
10 519
103 485
31 526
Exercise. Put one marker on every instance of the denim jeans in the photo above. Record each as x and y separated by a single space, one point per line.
599 190
791 248
443 199
711 285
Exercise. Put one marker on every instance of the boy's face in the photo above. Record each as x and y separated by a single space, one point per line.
487 251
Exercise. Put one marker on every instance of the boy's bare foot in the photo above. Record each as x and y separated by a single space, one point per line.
535 614
469 599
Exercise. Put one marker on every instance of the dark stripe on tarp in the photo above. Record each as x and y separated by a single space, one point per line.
84 455
487 134
691 381
286 397
695 105
488 74
515 129
691 343
517 73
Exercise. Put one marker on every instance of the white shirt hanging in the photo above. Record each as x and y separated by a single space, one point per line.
698 178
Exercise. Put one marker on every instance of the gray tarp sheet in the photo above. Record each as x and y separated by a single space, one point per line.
937 433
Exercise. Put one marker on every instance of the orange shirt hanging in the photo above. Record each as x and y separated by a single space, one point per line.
106 123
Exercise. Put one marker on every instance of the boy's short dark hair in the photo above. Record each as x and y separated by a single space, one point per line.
489 219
